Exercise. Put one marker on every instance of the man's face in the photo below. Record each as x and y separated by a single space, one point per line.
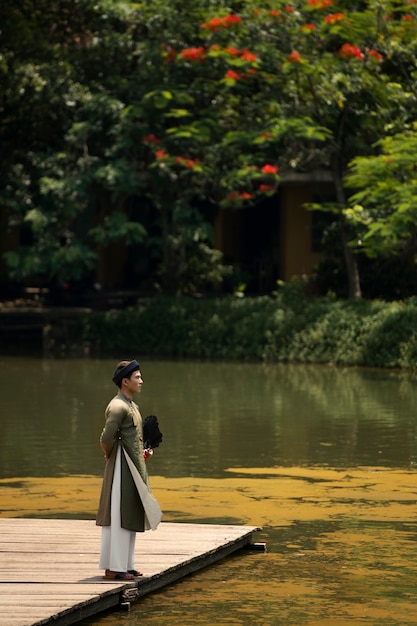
134 383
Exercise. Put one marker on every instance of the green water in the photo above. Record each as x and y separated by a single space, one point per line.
213 415
331 567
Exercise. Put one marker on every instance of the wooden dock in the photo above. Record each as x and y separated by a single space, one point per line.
49 567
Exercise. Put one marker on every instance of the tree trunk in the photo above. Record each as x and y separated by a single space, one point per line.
171 267
355 291
166 257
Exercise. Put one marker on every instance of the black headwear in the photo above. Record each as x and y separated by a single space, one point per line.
125 372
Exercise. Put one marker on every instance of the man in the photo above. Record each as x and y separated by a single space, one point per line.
122 511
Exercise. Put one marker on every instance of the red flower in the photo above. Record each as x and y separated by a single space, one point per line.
320 4
348 51
231 19
233 51
150 139
407 18
269 169
375 55
308 28
333 18
190 163
274 13
193 54
265 188
289 9
221 22
239 195
247 55
213 24
233 75
294 57
161 154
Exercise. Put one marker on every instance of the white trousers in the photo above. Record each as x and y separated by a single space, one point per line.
117 543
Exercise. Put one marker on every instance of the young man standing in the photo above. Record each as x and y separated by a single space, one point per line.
121 510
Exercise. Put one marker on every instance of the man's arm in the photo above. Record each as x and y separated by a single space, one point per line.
114 418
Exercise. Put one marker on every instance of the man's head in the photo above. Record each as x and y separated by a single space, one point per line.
124 370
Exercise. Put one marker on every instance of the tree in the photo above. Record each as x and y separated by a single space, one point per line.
48 105
309 84
192 161
385 207
190 105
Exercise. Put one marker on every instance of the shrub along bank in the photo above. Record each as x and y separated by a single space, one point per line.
288 326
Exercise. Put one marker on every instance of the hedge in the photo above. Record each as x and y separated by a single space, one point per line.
286 326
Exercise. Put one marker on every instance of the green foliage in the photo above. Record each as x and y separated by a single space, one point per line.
287 327
393 340
385 207
118 226
52 138
188 103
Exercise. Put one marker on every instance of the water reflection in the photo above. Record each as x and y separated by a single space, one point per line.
213 415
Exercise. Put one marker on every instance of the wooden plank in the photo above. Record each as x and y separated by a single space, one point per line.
49 568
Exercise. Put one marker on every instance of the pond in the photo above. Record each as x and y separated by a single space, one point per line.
322 458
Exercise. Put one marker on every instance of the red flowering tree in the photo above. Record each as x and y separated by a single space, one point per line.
298 86
190 149
191 105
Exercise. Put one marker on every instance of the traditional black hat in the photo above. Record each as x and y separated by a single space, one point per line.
125 372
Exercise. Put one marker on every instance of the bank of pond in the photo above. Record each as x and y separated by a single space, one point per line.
287 326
